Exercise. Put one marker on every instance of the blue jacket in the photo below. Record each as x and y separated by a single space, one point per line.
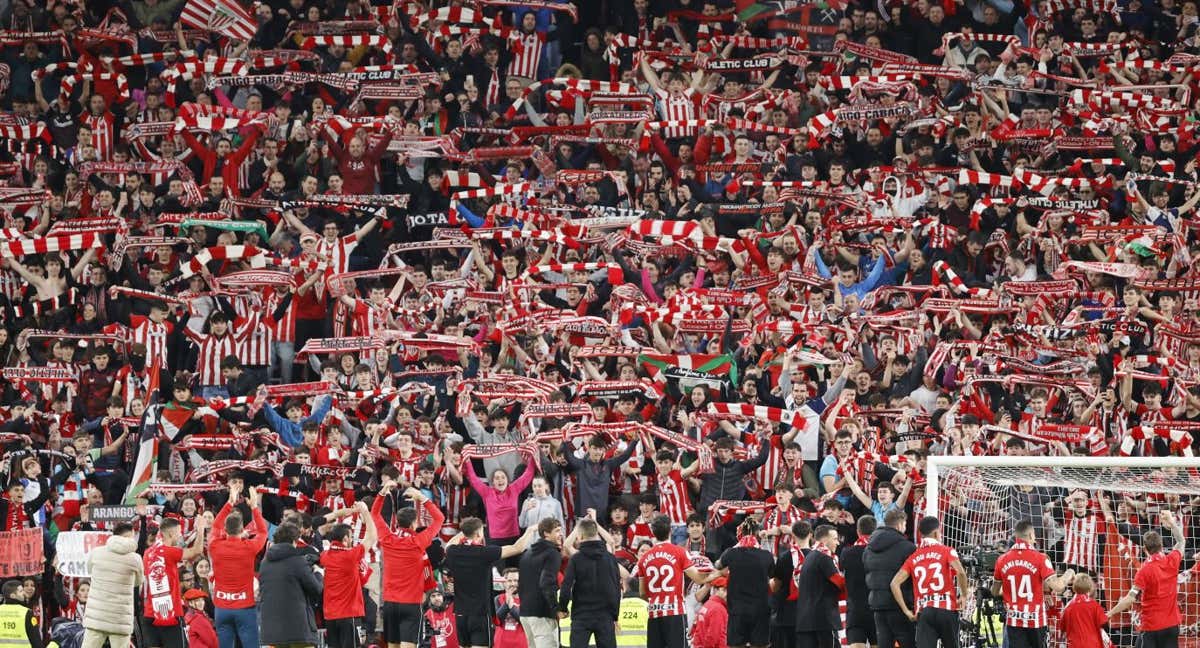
862 288
290 432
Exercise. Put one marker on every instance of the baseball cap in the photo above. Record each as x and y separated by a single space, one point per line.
194 594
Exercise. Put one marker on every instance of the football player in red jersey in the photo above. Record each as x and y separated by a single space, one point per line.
935 569
661 571
1022 575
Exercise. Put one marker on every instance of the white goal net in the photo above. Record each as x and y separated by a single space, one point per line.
1090 514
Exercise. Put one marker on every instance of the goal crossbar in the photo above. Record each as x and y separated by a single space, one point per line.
1070 472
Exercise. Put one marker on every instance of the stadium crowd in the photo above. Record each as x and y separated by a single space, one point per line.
438 325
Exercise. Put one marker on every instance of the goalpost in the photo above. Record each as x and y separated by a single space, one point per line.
980 499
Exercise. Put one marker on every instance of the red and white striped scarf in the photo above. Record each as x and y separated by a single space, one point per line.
585 86
349 41
838 83
190 69
500 189
975 37
751 42
760 412
68 83
956 282
1180 439
46 244
254 256
25 132
217 118
1127 99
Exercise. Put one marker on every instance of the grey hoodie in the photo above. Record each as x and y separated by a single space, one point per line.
547 506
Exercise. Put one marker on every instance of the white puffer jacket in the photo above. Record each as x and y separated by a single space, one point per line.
116 570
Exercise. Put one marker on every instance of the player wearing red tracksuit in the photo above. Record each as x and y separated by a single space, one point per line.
404 556
233 549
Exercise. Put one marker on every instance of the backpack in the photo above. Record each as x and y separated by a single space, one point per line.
67 633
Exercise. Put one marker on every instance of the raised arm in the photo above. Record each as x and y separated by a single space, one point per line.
116 444
90 255
320 411
858 491
476 483
876 274
619 460
1176 529
650 75
238 156
290 217
369 225
425 536
26 274
371 534
381 526
380 147
1126 391
1058 583
334 147
526 478
517 548
750 465
905 491
1190 203
260 524
282 426
1126 602
198 147
219 521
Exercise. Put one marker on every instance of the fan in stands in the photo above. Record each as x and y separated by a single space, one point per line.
694 303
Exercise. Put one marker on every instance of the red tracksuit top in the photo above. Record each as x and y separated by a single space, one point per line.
403 554
233 562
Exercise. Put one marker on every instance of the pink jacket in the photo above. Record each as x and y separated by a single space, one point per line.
502 510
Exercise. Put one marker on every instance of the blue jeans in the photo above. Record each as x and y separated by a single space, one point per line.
283 354
240 623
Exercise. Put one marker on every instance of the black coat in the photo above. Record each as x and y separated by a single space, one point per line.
726 482
593 580
885 555
538 586
288 591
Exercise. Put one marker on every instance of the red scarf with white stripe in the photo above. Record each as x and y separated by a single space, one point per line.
797 565
17 518
158 586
